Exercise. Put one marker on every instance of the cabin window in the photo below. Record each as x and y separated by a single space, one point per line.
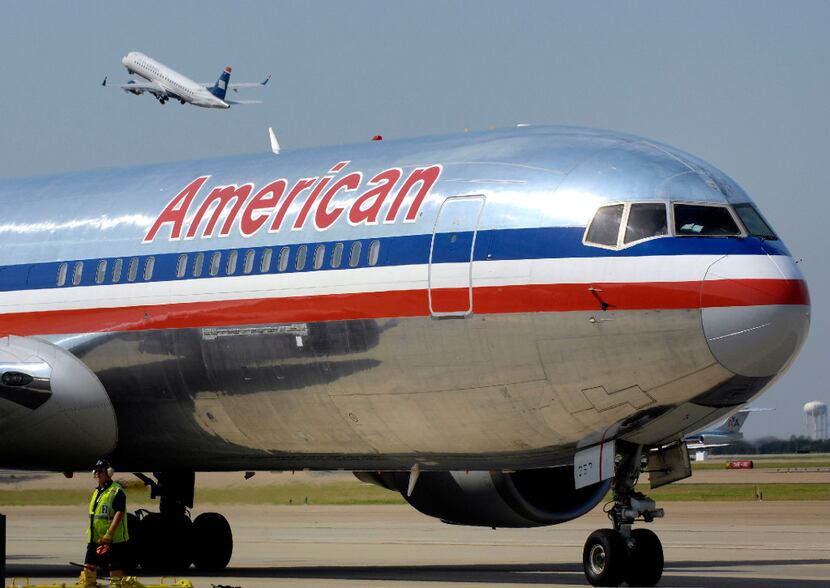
117 266
230 268
181 266
645 221
374 252
62 274
77 272
132 269
248 264
754 223
319 255
336 255
149 264
198 262
698 220
214 262
282 265
265 262
299 262
101 272
354 254
605 226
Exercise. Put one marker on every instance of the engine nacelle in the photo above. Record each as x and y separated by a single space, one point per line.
528 498
54 412
129 91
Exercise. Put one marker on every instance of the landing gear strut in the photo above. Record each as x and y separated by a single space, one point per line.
168 540
613 556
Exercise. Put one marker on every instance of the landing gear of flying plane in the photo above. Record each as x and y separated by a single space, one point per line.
169 540
613 556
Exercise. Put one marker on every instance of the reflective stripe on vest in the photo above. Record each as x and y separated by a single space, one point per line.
101 515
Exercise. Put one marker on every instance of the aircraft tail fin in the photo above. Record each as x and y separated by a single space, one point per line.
734 423
221 86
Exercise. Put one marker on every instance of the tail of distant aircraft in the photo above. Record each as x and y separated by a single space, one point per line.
221 86
734 423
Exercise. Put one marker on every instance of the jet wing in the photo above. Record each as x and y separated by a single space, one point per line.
706 446
243 101
139 87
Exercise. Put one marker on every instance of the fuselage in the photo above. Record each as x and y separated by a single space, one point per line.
461 302
177 85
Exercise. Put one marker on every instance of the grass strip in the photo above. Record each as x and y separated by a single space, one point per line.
346 493
758 464
738 492
300 493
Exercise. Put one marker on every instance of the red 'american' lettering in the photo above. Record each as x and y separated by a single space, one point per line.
327 200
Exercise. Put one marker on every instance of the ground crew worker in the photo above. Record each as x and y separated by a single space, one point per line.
107 534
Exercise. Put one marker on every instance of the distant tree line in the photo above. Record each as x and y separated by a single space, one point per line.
767 445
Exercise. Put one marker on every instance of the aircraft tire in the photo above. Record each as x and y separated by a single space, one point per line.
166 543
605 558
213 542
645 562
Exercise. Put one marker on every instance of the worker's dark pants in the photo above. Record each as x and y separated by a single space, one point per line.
112 560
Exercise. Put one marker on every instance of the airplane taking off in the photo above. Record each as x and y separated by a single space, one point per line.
165 83
500 326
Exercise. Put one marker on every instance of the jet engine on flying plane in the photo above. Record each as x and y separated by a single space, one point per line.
136 92
527 498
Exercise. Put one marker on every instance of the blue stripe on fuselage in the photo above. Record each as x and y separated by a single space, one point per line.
502 244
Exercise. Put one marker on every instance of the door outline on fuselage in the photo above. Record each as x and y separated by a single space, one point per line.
443 214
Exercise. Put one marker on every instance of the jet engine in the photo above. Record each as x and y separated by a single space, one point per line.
54 412
136 92
527 498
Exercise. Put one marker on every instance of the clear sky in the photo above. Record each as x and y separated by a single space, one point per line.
744 85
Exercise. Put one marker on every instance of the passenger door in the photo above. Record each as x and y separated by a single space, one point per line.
451 256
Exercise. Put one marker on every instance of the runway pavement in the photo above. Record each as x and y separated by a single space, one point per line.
706 544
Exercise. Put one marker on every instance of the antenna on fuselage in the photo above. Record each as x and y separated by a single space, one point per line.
275 145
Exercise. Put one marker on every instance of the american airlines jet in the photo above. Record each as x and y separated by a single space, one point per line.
165 83
500 326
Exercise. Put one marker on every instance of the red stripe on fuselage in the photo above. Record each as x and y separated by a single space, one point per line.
410 303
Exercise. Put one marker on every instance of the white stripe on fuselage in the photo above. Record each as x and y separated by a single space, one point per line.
651 269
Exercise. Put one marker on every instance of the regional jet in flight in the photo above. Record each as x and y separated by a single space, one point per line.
500 326
165 83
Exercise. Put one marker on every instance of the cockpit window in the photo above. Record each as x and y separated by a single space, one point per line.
645 221
754 222
697 220
605 226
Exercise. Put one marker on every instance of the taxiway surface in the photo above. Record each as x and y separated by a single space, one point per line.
706 544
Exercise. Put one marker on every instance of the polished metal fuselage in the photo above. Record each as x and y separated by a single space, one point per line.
512 388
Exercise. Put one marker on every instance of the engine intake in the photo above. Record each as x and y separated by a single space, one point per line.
528 498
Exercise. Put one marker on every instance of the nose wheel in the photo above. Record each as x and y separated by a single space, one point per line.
613 556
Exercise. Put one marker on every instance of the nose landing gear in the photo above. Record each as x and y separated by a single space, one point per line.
613 556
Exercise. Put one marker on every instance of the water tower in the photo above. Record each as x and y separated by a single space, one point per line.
815 413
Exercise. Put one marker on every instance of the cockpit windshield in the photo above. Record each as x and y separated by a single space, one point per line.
753 222
699 220
605 226
645 220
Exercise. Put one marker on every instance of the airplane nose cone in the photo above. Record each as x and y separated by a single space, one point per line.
756 313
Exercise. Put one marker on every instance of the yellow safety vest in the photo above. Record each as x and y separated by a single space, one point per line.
101 515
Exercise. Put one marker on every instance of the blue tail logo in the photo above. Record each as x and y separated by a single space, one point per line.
221 85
